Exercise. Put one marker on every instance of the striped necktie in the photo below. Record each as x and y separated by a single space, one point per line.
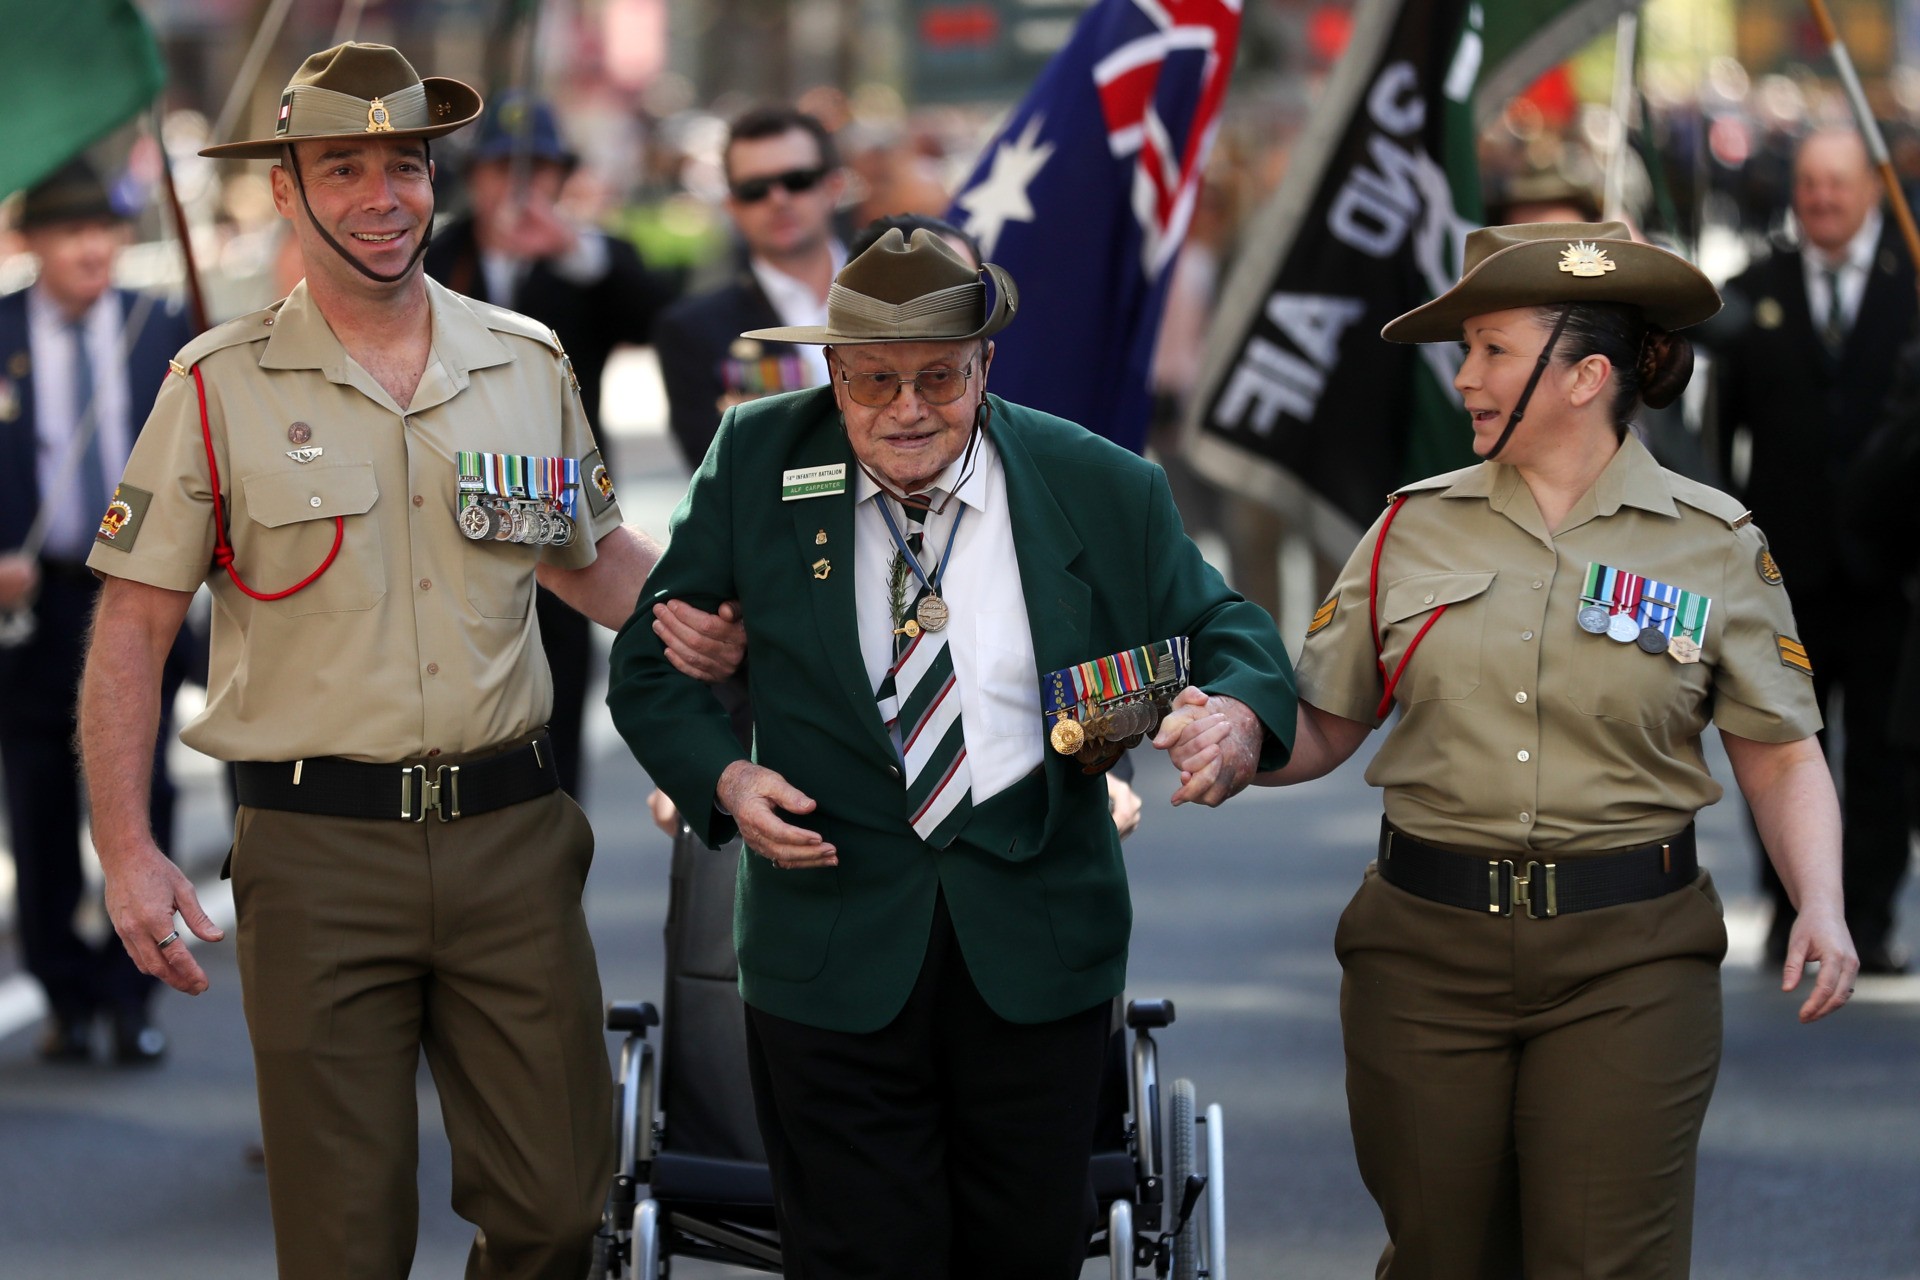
920 701
91 487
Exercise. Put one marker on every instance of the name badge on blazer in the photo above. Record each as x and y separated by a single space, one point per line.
813 482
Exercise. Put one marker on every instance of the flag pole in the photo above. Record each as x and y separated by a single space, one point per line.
256 57
1869 128
196 299
1626 40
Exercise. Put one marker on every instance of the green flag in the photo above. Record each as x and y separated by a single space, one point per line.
1300 402
70 73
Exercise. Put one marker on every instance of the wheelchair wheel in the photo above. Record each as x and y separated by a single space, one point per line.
1186 1252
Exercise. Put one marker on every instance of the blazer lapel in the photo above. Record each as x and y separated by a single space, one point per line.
830 566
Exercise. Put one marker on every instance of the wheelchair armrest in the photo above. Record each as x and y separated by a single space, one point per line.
633 1016
1149 1013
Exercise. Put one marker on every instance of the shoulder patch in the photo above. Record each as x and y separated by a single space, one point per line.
1794 654
1324 614
1768 567
596 483
120 526
256 326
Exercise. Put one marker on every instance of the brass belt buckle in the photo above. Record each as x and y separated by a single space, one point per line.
1537 884
440 796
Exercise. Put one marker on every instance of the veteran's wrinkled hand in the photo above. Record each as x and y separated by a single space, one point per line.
756 797
1214 741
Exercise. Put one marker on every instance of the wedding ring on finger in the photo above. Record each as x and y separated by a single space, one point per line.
173 936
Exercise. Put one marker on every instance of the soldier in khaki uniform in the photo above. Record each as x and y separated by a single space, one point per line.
1531 1002
376 470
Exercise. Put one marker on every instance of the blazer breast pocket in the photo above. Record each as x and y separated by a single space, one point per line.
1446 661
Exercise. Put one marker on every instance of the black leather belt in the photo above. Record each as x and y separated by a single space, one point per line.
336 788
1499 884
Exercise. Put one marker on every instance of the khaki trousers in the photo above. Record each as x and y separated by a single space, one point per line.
362 943
1526 1095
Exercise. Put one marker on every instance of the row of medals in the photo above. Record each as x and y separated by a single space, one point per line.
1596 618
1126 723
516 524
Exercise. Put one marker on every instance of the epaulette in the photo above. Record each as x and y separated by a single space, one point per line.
256 326
1707 499
501 320
1431 483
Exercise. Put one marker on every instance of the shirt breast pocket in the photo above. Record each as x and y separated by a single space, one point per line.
292 514
1624 682
1446 661
1009 687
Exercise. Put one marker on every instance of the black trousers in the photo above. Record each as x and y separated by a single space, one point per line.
950 1143
1853 635
44 807
565 636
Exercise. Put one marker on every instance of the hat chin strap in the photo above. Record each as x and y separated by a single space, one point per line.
1520 409
426 237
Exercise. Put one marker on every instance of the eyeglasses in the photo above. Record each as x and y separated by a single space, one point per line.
754 190
935 386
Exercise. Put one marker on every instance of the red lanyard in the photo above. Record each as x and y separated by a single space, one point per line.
1373 615
222 548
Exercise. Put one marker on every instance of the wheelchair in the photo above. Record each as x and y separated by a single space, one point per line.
692 1180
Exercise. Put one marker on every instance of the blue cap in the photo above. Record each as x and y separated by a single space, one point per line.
517 122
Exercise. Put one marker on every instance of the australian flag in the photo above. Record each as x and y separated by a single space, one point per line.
1085 197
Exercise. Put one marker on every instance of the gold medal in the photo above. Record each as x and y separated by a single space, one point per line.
1683 649
910 629
932 612
1067 735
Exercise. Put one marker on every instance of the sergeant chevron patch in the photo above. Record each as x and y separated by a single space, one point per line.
1793 654
1324 614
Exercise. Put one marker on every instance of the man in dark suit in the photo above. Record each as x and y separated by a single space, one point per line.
932 914
516 249
1799 386
783 183
80 363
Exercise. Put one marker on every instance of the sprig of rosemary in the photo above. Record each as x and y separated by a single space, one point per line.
897 589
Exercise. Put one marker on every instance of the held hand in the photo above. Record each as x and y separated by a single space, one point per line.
706 646
1821 935
756 797
19 580
143 892
1123 802
1214 742
660 808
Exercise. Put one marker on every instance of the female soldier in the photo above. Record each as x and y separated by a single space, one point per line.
1531 1002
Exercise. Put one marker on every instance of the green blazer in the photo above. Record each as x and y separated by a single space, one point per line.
1034 883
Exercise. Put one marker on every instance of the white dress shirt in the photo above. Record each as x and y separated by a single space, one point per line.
989 635
70 525
794 302
1852 268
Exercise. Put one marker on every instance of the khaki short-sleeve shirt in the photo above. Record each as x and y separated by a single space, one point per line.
416 640
1520 731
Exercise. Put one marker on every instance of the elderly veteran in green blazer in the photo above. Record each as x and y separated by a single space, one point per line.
932 914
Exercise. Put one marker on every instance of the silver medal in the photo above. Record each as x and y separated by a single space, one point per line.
1623 628
1592 618
476 522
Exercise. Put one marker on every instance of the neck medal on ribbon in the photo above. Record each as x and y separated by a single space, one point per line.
1633 609
516 497
1118 699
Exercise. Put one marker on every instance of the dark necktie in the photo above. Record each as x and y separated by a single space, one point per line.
90 486
1834 332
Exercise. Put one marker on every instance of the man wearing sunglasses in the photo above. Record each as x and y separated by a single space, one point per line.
784 182
932 912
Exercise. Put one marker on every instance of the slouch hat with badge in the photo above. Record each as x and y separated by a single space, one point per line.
908 291
357 92
1565 265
